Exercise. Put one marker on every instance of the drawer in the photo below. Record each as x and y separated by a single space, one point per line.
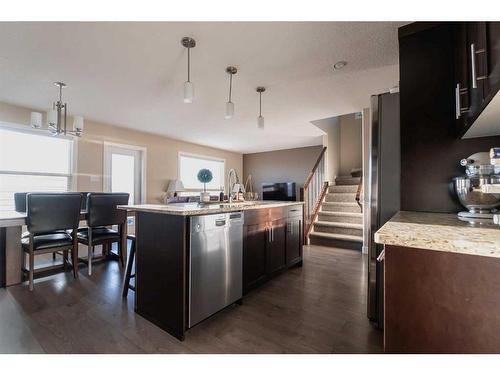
295 211
256 216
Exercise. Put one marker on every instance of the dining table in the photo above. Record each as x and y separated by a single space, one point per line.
11 252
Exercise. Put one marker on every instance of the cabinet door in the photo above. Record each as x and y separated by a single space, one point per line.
462 79
476 44
492 82
276 253
293 241
254 255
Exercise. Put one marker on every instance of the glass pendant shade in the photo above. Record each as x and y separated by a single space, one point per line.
36 120
229 110
188 92
260 122
52 117
78 123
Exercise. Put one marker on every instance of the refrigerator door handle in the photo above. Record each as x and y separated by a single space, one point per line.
381 256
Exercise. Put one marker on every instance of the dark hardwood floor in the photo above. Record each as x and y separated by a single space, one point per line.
320 308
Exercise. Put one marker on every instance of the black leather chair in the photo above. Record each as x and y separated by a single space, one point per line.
20 206
102 213
49 216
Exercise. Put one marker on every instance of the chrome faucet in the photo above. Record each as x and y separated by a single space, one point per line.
232 180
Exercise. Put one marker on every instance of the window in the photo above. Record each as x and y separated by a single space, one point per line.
189 166
32 162
124 170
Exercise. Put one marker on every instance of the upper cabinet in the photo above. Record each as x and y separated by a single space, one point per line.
477 78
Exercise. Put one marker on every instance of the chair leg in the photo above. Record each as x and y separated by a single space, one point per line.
89 261
74 254
53 256
65 260
32 270
128 272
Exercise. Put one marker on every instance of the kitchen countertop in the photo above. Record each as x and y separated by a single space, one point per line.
191 209
441 232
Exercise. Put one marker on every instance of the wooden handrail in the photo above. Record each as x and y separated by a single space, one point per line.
309 178
358 193
316 209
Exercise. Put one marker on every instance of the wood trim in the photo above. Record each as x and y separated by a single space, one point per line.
315 212
311 174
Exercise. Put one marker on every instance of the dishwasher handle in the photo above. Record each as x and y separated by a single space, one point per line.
220 222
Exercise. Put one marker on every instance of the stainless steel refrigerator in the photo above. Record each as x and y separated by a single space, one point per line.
384 190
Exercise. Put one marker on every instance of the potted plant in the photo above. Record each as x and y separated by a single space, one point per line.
205 176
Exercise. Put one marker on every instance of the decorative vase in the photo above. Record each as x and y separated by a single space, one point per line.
204 197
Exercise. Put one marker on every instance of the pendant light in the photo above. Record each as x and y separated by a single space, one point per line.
230 105
188 43
260 119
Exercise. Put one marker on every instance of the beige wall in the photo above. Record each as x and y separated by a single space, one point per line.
162 152
292 165
350 143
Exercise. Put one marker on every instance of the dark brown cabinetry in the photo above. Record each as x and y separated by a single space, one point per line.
477 70
254 254
294 241
272 242
430 145
276 249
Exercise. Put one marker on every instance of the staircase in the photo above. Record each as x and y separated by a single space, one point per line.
339 222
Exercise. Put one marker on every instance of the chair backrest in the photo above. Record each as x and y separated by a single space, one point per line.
48 212
102 211
20 202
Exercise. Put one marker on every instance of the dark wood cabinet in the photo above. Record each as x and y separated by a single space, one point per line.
294 241
255 239
477 70
276 251
272 242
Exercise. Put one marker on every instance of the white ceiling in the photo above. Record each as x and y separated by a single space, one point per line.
131 74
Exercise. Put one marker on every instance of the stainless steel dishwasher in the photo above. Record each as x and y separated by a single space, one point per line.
215 264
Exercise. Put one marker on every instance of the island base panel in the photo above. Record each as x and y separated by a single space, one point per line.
441 302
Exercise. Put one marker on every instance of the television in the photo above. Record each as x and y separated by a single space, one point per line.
279 191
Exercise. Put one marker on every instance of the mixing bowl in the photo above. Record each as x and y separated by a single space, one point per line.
469 193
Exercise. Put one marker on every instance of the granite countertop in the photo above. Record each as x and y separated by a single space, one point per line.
191 209
441 232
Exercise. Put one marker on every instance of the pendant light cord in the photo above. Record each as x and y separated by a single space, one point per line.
230 85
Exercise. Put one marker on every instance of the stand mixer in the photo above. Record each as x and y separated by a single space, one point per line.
479 172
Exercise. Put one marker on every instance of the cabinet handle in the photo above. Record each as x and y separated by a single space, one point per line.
381 256
473 65
272 234
458 109
269 239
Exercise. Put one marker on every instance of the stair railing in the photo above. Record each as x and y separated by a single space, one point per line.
313 193
358 193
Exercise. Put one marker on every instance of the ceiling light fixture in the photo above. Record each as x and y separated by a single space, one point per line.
339 65
57 117
188 43
260 119
231 70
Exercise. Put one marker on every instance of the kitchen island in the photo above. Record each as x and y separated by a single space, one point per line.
441 284
193 260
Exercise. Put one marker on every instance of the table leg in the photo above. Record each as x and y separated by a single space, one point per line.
13 255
